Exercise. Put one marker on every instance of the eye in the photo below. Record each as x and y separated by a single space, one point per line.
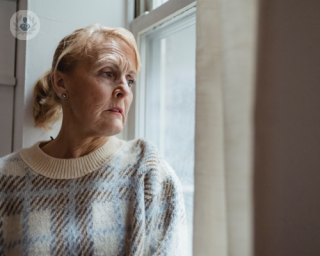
108 74
130 83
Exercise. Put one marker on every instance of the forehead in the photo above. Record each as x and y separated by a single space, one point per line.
116 52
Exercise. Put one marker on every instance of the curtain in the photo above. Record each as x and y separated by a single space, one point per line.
225 73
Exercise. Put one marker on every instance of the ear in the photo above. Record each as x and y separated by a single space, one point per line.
59 82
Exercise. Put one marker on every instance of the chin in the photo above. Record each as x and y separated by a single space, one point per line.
113 130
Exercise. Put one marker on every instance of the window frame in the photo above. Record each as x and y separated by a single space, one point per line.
165 13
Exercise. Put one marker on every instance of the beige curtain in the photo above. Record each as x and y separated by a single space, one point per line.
225 61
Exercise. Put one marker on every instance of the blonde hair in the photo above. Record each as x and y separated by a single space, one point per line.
47 107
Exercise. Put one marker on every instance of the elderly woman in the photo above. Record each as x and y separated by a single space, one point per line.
86 192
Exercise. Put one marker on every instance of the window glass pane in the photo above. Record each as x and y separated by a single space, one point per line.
157 3
170 102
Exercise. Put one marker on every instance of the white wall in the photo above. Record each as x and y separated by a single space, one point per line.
59 18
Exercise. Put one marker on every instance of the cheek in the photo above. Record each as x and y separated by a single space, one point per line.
91 97
129 102
97 90
130 99
103 93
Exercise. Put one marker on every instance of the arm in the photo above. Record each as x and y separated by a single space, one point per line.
166 224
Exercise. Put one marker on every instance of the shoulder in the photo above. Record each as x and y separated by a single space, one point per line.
155 171
142 152
12 164
140 145
159 176
167 184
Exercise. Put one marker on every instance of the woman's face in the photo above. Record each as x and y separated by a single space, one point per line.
99 84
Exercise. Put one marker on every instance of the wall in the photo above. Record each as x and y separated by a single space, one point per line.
287 120
7 76
58 19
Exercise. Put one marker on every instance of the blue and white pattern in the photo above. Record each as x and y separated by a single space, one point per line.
131 206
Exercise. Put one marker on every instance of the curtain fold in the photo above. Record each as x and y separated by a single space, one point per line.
210 231
225 73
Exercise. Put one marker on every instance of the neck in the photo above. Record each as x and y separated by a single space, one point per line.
68 146
58 168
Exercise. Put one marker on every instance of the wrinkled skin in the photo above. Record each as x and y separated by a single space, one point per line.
96 85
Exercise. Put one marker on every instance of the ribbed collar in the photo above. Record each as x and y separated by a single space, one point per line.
57 168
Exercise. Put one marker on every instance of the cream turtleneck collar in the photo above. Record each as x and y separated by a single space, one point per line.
57 168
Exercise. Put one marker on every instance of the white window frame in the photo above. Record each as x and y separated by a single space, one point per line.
135 125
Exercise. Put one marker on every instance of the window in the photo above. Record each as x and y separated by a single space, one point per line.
142 6
170 99
165 93
157 3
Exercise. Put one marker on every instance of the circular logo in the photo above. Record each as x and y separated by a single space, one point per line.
24 25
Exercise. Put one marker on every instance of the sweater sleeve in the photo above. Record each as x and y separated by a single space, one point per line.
166 223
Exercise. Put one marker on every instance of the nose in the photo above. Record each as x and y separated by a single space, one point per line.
122 88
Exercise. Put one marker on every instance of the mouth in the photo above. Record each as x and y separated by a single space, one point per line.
116 109
115 112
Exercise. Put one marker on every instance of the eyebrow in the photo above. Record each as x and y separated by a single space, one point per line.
112 63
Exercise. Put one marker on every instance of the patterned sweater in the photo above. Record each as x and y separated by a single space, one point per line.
121 199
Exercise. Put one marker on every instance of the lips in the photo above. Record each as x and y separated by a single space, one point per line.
115 109
115 113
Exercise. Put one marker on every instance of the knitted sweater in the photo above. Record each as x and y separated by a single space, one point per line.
121 199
